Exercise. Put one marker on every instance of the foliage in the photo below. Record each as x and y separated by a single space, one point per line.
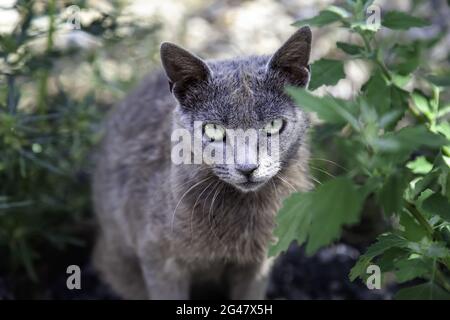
47 129
394 138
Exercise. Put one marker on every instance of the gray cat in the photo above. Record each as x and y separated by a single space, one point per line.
178 231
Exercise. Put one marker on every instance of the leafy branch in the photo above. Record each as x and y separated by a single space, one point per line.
396 140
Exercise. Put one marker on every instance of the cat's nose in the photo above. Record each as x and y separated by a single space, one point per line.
246 169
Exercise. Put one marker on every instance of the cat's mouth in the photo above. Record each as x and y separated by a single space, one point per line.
248 186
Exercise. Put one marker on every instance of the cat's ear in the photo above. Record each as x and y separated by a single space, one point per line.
183 68
292 59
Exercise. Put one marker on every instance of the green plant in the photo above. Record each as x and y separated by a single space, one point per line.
47 129
394 139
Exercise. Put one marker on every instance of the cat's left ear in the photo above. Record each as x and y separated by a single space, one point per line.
292 59
183 68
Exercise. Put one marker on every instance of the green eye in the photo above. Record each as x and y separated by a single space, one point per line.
214 132
274 126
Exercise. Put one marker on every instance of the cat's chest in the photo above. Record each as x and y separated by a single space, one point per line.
239 232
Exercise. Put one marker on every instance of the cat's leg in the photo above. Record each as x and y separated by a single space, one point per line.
165 278
120 270
249 282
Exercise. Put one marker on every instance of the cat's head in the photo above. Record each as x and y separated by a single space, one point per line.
238 107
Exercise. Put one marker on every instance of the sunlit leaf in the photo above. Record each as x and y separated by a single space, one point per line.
325 17
349 48
420 165
326 72
318 216
401 20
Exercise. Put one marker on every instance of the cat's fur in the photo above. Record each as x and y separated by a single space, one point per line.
167 230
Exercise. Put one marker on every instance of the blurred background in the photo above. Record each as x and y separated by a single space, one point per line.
63 64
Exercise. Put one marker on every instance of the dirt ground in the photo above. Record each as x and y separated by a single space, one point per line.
295 276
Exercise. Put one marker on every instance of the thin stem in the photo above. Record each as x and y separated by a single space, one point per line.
441 279
366 42
419 217
374 57
383 68
11 93
51 27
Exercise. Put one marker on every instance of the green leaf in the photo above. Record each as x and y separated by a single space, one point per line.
413 231
443 111
387 260
444 128
378 93
398 20
337 202
420 165
408 139
440 80
409 269
400 81
435 250
351 49
425 182
407 57
322 106
422 104
398 99
326 72
425 291
328 108
439 205
389 119
325 17
293 222
390 196
384 242
318 216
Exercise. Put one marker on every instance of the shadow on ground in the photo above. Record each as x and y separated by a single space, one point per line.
295 276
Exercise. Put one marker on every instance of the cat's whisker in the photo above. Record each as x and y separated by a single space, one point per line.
209 193
324 171
213 189
313 178
274 188
193 208
182 197
210 211
285 181
329 161
179 186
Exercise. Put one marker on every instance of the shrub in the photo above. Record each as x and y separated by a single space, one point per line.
47 129
391 144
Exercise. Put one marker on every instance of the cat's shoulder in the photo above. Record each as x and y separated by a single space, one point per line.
147 106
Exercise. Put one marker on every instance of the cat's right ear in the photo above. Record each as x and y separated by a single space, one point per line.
183 68
292 59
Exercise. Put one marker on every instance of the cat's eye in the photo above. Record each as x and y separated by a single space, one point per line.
214 131
273 127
